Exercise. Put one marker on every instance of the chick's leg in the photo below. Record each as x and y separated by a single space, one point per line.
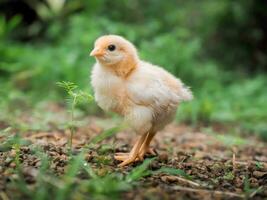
145 146
143 149
134 152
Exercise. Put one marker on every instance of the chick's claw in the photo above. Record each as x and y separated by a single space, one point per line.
121 156
151 151
125 156
140 156
128 161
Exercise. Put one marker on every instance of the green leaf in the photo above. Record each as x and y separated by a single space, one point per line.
68 86
173 171
139 171
83 96
259 165
73 168
106 134
107 187
13 22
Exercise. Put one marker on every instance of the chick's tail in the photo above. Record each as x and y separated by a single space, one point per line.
185 94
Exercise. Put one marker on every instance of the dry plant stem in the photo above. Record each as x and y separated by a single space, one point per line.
234 164
255 192
72 123
214 193
4 196
191 183
234 161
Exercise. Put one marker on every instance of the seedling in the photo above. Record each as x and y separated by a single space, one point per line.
259 165
75 96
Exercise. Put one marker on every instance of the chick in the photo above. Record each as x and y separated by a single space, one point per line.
145 94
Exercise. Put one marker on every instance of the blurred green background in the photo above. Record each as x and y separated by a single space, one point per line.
218 48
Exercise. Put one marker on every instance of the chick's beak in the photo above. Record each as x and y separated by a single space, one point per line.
97 52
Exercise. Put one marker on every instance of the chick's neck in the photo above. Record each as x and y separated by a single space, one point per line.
125 67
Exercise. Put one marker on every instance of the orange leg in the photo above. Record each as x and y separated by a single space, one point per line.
132 156
145 146
121 156
142 151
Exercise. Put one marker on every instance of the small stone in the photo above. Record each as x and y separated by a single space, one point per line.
52 153
154 165
259 174
89 157
169 179
227 185
38 163
25 149
238 182
12 153
163 157
8 160
12 165
102 172
254 182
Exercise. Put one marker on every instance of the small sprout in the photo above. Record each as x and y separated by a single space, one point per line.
76 96
174 171
229 176
259 165
68 86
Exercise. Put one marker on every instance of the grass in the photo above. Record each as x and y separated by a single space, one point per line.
80 180
92 179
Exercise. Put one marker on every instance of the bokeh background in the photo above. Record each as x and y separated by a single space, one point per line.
218 48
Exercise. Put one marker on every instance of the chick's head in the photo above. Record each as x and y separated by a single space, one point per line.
112 49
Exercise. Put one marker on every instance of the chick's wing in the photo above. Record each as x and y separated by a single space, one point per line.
149 89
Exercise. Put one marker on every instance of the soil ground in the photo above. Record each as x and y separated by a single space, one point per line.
222 166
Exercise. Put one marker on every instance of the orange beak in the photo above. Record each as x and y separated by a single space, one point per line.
97 52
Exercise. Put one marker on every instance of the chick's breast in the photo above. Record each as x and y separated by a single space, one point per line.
109 89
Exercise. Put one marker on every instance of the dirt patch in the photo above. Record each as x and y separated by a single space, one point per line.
220 167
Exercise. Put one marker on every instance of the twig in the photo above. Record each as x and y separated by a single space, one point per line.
255 192
250 161
191 183
215 192
42 134
4 196
234 160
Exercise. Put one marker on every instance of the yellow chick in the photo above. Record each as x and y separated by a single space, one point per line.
145 94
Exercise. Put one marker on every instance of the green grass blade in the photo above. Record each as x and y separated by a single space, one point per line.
106 134
139 171
68 179
173 171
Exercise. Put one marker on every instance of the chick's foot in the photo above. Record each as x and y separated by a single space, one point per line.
144 151
130 159
124 156
152 151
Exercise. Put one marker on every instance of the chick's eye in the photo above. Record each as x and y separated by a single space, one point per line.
111 47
